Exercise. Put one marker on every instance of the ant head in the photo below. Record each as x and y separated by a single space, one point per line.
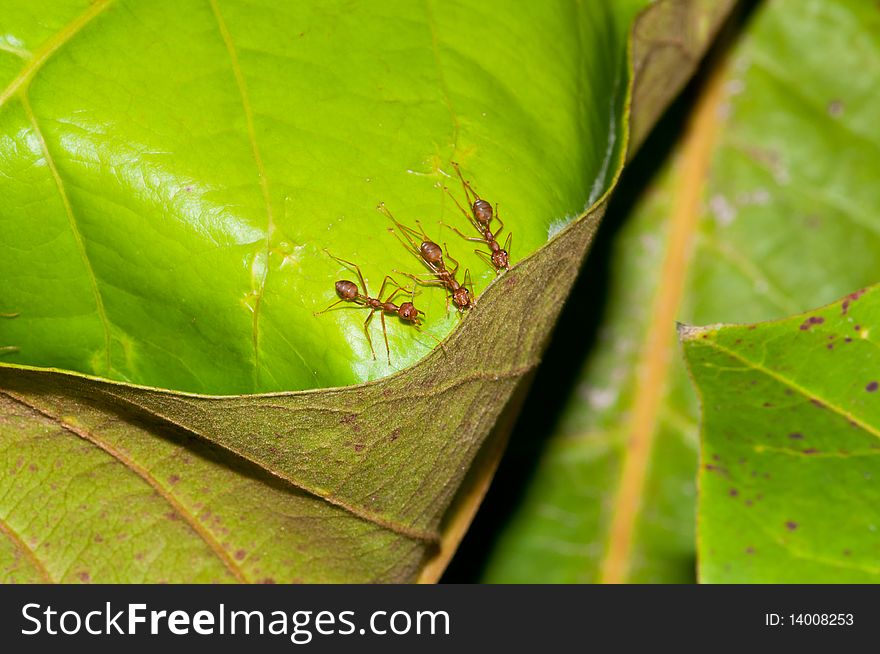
500 259
483 212
431 252
408 312
461 298
346 290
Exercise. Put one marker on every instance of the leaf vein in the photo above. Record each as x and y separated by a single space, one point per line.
74 228
146 476
28 553
261 174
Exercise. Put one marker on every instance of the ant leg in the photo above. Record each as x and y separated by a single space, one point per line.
465 237
467 214
498 218
468 282
367 332
385 334
450 258
424 234
384 283
394 294
485 257
407 232
318 313
507 243
424 282
354 267
437 340
408 245
468 189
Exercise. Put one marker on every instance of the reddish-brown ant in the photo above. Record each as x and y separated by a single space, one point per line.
480 216
431 255
8 348
348 291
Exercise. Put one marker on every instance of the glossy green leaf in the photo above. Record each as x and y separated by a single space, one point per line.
175 172
791 422
782 224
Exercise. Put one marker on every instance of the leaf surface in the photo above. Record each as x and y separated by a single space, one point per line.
791 422
174 171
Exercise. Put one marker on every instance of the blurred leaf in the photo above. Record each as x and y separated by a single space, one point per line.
791 421
173 171
746 222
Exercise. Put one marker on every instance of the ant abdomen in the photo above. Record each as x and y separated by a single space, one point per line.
346 290
431 252
483 212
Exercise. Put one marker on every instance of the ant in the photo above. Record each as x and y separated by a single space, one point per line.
432 256
481 217
8 348
348 291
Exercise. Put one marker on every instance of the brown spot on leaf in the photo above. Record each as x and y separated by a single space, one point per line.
812 320
394 434
791 525
173 479
733 492
358 447
84 577
835 108
810 450
796 435
240 554
816 403
871 387
750 550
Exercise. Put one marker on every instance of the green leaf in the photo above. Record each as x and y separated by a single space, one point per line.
781 184
791 422
172 173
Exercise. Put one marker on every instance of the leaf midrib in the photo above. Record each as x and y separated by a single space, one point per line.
655 363
21 81
854 420
19 544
